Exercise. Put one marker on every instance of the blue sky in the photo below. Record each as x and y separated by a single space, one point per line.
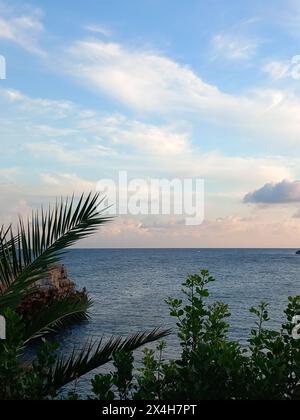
205 89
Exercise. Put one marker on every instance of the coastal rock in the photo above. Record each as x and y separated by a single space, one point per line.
55 286
57 279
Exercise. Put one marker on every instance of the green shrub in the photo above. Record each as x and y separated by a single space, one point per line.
211 366
19 379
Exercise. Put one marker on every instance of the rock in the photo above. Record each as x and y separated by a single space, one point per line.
55 286
57 279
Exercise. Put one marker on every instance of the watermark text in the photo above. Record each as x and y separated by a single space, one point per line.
155 197
296 330
2 328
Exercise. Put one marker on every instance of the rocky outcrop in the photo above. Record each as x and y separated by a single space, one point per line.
55 286
57 279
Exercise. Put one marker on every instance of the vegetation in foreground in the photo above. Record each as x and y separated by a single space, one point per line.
26 254
210 366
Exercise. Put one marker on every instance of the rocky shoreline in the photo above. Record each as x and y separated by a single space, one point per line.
55 286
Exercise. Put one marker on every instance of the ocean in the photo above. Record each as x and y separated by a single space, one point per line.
129 287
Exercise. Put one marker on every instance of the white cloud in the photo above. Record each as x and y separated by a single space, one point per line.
277 70
235 47
22 28
61 132
58 152
282 70
153 139
54 151
142 80
19 197
98 29
151 83
65 184
38 106
76 135
237 169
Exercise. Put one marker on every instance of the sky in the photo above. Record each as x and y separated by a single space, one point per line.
159 88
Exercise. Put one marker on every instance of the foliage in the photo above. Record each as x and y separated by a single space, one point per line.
21 380
26 256
211 366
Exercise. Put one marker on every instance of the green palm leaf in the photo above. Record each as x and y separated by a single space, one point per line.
57 315
25 256
95 355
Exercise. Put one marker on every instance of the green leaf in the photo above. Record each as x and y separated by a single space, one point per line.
25 256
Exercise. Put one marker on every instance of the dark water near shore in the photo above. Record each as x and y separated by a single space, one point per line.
129 287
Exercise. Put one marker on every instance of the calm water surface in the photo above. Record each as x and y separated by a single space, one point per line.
129 287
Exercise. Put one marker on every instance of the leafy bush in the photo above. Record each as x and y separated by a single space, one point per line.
19 380
27 253
211 367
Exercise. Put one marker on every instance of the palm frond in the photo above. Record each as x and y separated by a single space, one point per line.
25 256
57 315
95 355
5 239
4 232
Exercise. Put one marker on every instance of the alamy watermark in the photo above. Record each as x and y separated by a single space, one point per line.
155 197
2 328
296 330
2 68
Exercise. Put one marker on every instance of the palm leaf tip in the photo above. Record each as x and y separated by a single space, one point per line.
95 355
59 314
